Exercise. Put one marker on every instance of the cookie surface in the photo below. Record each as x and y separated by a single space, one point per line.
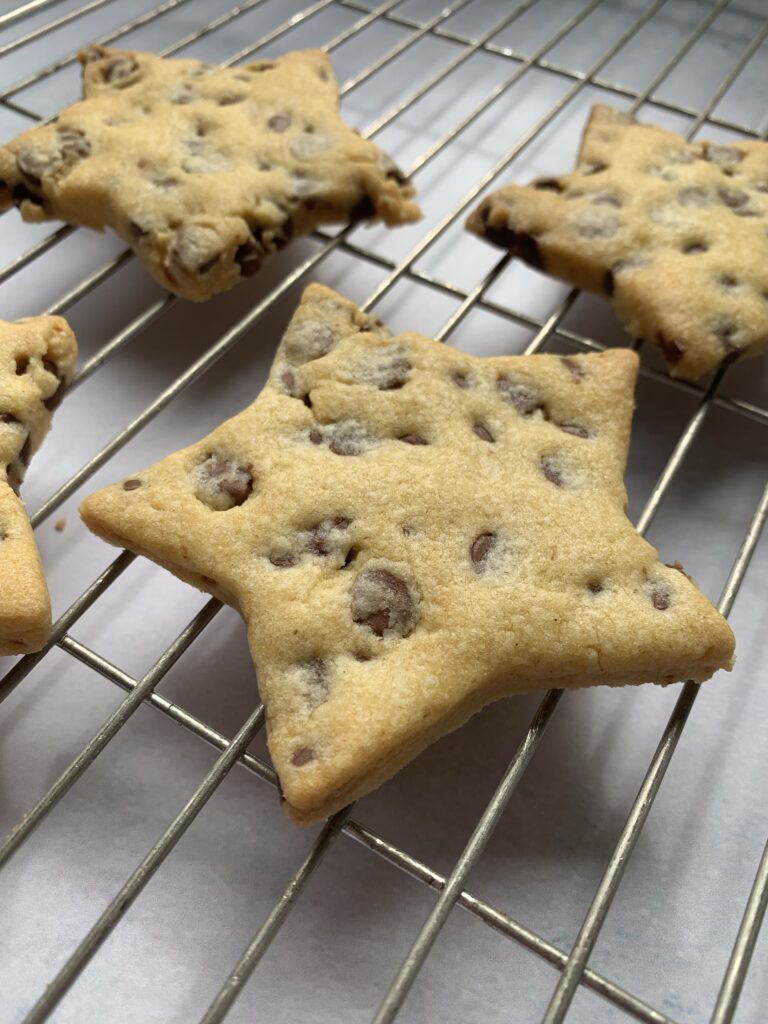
37 360
411 532
204 171
675 233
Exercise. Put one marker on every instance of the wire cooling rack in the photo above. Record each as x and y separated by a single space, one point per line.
465 96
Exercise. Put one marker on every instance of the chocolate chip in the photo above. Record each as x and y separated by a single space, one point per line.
548 185
673 352
522 397
597 167
120 72
302 756
249 256
344 444
21 194
575 429
196 249
308 339
73 143
230 99
660 597
318 540
183 96
727 282
283 234
383 603
279 122
316 683
35 164
282 561
390 374
222 483
6 417
595 587
347 438
722 154
460 380
552 470
483 433
575 370
364 209
693 248
520 243
733 197
394 173
480 549
412 439
22 365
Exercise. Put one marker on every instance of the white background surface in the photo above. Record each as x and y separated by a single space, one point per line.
669 933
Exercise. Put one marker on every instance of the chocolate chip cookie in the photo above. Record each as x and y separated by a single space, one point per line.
674 233
204 171
411 532
37 360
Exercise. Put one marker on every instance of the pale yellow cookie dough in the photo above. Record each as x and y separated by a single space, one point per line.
411 532
676 233
204 171
37 360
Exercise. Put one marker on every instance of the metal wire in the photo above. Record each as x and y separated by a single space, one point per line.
573 966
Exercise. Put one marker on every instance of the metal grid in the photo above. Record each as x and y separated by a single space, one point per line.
572 964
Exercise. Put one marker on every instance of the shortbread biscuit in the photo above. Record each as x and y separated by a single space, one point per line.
37 360
675 233
203 171
411 532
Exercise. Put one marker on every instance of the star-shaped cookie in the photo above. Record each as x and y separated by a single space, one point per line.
675 233
204 171
411 532
37 360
